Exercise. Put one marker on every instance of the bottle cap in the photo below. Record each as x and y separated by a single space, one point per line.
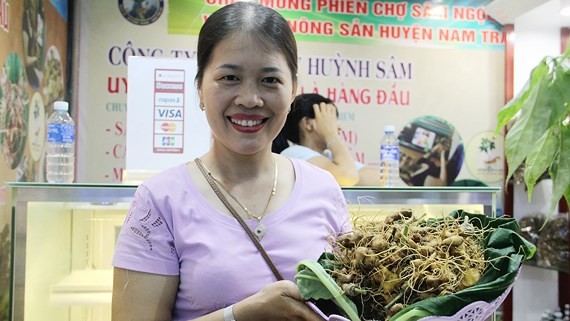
61 105
389 129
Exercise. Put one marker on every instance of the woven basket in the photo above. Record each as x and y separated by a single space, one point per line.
476 311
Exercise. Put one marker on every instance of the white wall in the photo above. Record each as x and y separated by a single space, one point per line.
536 36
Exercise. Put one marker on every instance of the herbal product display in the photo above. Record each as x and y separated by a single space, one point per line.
404 268
530 228
552 247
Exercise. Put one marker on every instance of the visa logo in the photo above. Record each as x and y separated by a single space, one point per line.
169 113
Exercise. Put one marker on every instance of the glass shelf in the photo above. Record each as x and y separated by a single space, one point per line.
437 200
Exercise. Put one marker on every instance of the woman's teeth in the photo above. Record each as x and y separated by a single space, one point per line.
246 123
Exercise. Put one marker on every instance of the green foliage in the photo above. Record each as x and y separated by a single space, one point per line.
540 137
315 283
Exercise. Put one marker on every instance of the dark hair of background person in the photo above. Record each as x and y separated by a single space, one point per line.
301 107
254 20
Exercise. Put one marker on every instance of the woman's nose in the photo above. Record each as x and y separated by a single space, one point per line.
249 96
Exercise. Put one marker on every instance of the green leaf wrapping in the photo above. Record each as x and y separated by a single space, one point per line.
504 247
315 283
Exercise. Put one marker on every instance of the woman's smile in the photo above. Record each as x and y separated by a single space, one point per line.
247 123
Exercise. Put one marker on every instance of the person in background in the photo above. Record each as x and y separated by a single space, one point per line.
181 254
313 130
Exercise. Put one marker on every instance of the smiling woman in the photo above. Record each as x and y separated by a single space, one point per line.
188 220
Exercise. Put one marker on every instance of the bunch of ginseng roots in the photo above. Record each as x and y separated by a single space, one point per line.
383 265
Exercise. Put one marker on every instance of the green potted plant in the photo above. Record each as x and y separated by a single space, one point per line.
540 136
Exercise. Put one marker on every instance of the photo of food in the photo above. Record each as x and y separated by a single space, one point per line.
53 88
34 40
14 104
431 152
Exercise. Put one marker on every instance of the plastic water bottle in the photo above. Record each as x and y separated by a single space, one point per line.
60 156
390 158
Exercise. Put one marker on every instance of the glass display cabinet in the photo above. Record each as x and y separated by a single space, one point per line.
433 201
63 240
64 237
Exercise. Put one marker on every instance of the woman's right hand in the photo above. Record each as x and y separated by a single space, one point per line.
277 301
326 124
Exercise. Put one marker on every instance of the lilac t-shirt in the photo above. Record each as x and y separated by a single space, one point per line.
171 229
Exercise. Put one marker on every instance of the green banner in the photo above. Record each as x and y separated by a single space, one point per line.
436 23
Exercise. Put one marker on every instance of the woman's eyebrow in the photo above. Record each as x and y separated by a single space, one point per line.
272 69
238 68
229 66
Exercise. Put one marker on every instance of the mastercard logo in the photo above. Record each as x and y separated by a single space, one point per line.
168 127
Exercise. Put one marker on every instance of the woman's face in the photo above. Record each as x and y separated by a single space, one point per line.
246 91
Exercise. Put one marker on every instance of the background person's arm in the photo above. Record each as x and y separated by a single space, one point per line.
342 165
368 176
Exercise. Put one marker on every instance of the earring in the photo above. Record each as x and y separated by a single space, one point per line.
288 111
202 107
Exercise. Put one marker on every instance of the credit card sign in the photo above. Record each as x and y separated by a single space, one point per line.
169 102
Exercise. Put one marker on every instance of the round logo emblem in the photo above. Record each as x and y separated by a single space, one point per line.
141 12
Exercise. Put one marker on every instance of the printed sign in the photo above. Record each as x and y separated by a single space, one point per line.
437 23
165 125
169 111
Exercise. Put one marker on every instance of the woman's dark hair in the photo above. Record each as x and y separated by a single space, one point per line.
254 20
302 106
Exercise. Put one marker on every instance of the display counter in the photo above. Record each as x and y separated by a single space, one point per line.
64 237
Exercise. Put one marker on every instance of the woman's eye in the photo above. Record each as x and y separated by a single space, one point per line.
230 78
271 80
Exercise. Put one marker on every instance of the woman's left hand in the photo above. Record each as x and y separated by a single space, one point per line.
277 301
